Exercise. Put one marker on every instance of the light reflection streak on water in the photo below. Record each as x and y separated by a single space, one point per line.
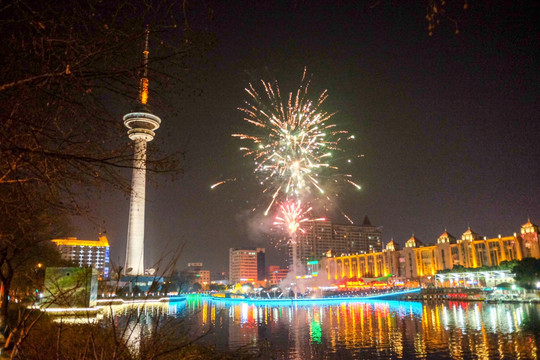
445 318
244 313
315 329
478 324
493 313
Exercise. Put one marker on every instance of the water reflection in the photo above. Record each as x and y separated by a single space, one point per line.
455 330
344 330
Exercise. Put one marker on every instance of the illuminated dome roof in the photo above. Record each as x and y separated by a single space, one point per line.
529 224
446 237
392 245
529 227
446 234
470 235
413 242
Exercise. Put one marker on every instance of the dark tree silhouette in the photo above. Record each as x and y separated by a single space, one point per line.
527 272
68 70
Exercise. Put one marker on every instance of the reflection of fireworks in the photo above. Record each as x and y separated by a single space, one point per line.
293 142
292 217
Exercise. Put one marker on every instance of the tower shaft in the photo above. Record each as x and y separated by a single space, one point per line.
135 239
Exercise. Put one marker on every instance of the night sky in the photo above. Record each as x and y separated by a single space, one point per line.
448 124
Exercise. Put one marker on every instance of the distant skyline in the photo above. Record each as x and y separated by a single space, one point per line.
448 124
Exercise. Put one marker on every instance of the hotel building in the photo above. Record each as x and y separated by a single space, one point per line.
417 261
86 253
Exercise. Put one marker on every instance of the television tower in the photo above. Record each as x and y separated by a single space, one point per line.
141 125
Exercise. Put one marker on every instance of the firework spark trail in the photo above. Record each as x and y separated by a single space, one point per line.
292 142
222 182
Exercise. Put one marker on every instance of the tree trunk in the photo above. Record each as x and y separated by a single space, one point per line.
5 278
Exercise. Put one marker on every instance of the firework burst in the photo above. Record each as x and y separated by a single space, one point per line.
292 216
292 142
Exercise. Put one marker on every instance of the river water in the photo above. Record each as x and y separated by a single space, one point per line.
369 330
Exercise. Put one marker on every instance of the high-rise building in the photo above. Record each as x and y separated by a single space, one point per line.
141 124
246 265
86 253
321 237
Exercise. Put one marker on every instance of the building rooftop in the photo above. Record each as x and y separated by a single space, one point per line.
413 242
366 221
529 224
73 241
446 234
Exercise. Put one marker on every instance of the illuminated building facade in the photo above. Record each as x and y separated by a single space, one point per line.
275 274
529 234
203 278
320 237
86 253
246 265
199 275
416 260
194 267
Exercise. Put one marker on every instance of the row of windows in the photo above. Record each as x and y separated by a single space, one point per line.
82 247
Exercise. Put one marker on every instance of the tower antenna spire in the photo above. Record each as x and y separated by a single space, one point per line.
143 87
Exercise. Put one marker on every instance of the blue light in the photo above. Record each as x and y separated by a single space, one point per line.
403 308
312 301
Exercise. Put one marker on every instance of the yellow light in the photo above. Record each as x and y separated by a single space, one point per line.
75 242
144 91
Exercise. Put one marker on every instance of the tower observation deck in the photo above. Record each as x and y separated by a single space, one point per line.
141 124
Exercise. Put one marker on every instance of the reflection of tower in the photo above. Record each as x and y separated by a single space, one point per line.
141 125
